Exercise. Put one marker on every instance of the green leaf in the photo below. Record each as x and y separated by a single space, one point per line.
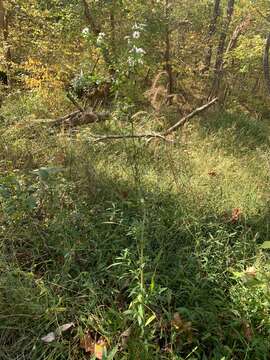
141 311
44 172
265 245
112 353
150 320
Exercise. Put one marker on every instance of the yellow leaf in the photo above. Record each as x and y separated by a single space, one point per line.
100 349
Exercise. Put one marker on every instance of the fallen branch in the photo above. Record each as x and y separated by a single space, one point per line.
78 118
149 136
63 118
182 121
162 135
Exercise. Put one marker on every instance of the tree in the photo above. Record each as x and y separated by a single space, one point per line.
212 31
266 63
4 28
218 71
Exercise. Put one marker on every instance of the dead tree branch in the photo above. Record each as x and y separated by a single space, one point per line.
74 102
211 33
78 118
239 30
149 137
182 121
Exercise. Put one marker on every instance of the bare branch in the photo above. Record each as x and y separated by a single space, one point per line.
96 29
74 102
150 136
182 121
63 118
90 19
239 30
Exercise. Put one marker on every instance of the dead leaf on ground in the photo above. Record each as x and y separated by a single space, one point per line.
236 213
89 345
49 338
125 336
251 271
52 335
124 194
64 328
180 324
247 331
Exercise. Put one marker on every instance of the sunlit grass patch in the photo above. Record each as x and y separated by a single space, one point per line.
122 236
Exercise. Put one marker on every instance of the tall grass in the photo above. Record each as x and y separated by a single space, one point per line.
128 236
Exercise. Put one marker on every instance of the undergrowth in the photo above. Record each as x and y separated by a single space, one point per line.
161 240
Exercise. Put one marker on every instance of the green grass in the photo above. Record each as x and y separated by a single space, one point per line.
121 235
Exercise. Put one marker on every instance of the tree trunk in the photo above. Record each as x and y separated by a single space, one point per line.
4 25
212 31
218 71
112 25
2 15
167 55
90 19
95 28
266 63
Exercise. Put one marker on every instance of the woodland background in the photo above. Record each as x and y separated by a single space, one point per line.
134 179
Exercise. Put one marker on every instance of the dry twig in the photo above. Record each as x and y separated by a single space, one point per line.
162 136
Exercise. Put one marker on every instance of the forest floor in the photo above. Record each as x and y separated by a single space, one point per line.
153 249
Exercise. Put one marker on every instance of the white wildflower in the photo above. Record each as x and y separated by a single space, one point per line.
131 61
85 32
100 38
138 51
138 26
136 35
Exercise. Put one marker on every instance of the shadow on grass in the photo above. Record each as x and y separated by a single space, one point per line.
57 258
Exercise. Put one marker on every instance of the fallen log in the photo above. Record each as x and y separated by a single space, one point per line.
78 118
